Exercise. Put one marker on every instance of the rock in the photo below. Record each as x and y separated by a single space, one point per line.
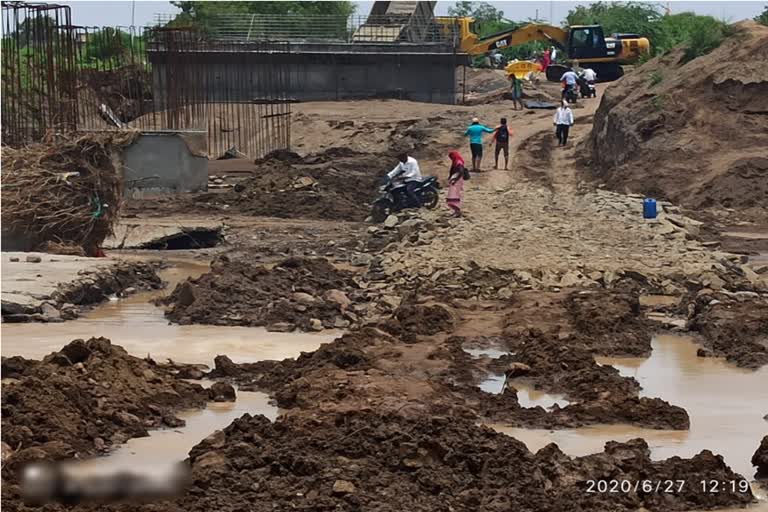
190 372
304 182
99 444
517 370
506 293
60 359
222 392
216 440
360 259
281 327
13 259
33 258
760 459
409 226
129 290
343 487
338 297
150 376
691 226
315 324
50 312
304 298
7 451
212 459
571 278
76 351
126 419
391 221
225 367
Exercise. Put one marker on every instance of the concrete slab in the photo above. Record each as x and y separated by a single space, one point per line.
148 233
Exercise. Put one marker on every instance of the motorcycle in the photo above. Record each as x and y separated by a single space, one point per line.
587 88
570 94
392 197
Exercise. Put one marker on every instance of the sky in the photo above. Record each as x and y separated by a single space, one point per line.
119 12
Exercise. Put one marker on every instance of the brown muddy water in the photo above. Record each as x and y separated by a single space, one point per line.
726 406
140 327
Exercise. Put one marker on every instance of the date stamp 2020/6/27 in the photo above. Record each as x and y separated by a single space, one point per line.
713 486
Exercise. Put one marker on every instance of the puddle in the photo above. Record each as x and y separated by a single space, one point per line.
140 327
726 405
491 353
527 396
156 454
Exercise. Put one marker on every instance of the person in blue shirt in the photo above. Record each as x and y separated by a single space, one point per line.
475 133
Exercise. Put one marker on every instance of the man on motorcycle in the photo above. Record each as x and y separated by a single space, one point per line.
569 80
408 170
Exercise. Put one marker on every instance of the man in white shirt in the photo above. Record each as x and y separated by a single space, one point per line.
590 75
408 170
569 78
563 121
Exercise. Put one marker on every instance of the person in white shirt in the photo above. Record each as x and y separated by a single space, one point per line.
408 170
590 75
569 80
563 122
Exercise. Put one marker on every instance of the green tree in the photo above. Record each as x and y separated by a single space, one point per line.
236 17
488 19
763 18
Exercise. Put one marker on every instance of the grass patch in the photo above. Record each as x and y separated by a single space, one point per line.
656 78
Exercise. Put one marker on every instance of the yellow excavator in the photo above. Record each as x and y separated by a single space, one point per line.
583 43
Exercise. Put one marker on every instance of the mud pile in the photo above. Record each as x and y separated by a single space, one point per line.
694 133
337 184
364 461
734 326
86 398
310 294
760 458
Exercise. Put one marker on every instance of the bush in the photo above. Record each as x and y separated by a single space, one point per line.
706 34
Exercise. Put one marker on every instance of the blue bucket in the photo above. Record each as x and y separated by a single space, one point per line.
649 208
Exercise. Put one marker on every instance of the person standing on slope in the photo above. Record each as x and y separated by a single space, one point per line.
563 121
475 132
501 137
456 176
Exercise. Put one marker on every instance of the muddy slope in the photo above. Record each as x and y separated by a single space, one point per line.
297 292
86 398
364 461
694 132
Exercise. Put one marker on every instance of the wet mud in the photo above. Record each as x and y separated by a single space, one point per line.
86 398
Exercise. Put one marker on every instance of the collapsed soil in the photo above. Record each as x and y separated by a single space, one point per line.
369 461
691 132
297 292
85 399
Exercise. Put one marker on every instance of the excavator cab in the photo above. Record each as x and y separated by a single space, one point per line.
588 42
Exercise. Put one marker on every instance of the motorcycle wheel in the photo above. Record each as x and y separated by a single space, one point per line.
379 213
429 199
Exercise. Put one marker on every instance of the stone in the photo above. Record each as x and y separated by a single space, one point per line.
50 312
99 444
126 419
281 327
303 182
304 298
150 376
33 258
216 440
129 290
391 221
517 370
315 324
13 259
343 487
338 297
190 372
212 459
222 392
225 367
409 226
76 351
571 278
360 259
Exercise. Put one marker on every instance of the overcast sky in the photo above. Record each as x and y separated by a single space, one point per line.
98 13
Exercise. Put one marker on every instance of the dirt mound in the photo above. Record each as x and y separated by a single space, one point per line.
310 294
85 398
363 461
336 184
690 132
735 327
760 458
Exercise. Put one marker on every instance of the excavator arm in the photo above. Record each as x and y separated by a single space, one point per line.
532 32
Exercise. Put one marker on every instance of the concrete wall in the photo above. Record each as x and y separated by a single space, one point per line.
165 163
321 72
